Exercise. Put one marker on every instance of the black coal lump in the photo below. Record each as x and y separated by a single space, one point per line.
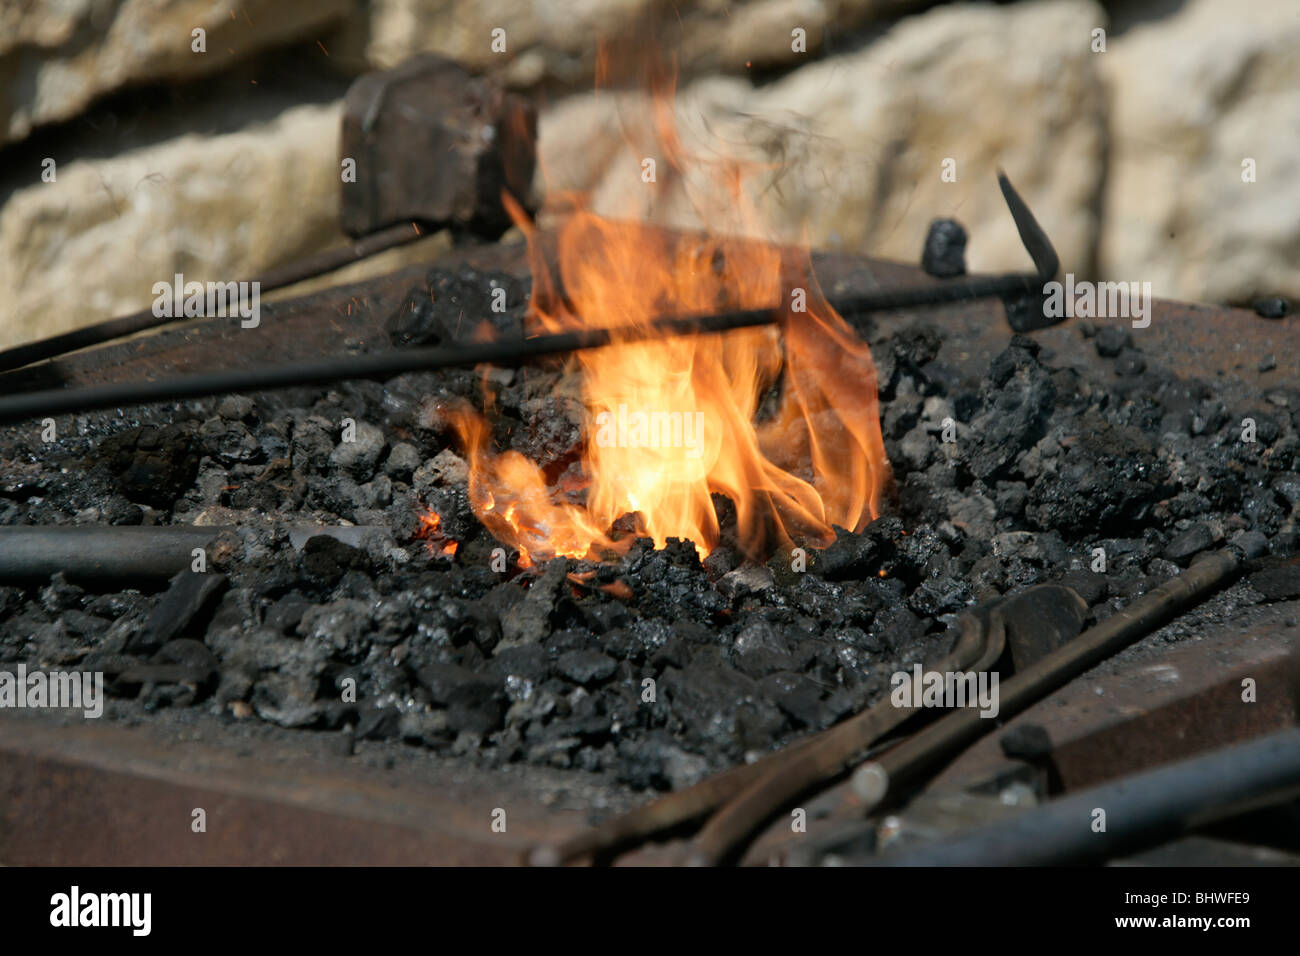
451 306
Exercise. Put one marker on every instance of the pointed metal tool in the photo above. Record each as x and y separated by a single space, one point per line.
1022 293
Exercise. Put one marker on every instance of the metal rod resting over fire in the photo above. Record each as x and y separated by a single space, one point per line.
22 407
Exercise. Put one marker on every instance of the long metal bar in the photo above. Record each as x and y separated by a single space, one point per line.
30 405
1140 811
58 401
99 552
126 552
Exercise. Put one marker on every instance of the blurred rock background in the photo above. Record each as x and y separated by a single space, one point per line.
224 163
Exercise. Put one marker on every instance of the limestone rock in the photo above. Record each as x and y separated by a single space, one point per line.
553 40
851 148
1194 95
91 245
55 58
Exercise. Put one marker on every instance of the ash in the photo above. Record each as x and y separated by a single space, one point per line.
656 669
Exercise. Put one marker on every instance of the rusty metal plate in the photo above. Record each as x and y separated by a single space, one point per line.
87 793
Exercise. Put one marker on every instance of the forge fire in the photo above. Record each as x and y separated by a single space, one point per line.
780 421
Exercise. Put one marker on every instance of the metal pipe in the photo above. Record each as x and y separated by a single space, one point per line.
101 553
1141 811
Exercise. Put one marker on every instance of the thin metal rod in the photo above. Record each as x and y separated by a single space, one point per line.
58 401
99 552
277 278
1142 810
909 760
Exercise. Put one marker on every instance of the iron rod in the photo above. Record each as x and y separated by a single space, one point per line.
128 552
59 401
946 736
1141 810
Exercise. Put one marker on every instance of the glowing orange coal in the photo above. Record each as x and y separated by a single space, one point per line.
431 531
670 421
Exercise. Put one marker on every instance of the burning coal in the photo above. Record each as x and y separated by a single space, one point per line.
781 420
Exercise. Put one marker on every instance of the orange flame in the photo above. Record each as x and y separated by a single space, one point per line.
668 422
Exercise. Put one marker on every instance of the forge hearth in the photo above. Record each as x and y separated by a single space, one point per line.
1032 470
1081 454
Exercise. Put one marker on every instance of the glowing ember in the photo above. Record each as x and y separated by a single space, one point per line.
668 422
431 531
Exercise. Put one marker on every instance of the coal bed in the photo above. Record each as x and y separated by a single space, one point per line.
332 598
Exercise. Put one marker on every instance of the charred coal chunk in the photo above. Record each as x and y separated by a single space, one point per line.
552 431
1182 401
1018 399
1277 584
762 648
898 628
186 596
416 321
1272 307
229 442
154 466
452 306
721 709
1111 341
340 627
325 560
1107 481
796 695
1130 362
358 452
906 353
11 599
1188 543
857 555
585 667
442 679
475 703
659 762
528 662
